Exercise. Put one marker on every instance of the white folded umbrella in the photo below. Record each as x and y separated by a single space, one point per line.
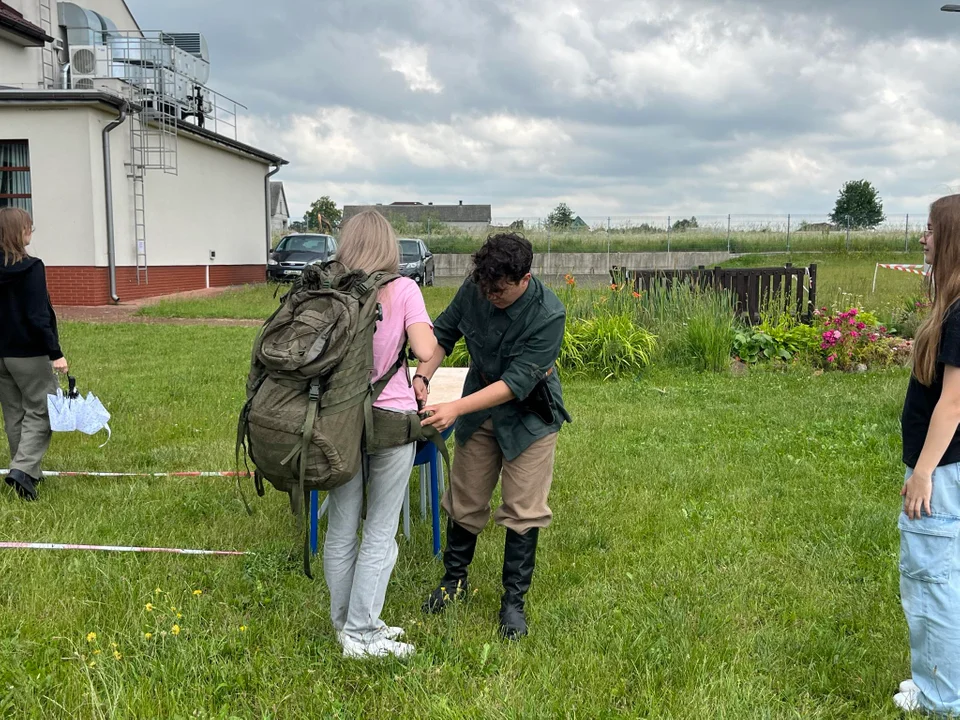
73 412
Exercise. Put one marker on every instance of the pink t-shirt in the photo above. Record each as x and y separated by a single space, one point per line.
403 306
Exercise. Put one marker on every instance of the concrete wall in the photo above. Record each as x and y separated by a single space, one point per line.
448 265
64 209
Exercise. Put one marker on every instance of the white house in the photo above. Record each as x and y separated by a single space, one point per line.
279 210
129 164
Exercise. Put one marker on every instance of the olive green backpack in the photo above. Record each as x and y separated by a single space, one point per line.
309 412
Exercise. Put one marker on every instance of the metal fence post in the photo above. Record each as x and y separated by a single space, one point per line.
728 233
788 232
668 233
848 233
906 234
608 243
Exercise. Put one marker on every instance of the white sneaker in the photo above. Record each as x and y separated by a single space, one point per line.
908 702
909 686
381 647
390 633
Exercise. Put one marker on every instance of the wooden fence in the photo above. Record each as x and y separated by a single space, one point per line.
792 289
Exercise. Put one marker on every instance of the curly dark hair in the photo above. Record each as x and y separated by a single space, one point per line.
504 256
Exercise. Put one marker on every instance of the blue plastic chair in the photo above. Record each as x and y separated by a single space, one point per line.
430 465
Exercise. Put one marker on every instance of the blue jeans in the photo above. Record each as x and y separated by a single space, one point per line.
930 593
357 572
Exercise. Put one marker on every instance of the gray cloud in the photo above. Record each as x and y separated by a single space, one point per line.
627 107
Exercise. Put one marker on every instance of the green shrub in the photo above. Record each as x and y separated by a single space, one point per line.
606 346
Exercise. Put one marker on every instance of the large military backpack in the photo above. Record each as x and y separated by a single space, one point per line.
309 412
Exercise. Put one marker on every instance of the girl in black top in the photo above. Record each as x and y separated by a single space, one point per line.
29 345
930 521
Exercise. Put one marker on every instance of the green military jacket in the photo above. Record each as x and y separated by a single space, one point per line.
518 345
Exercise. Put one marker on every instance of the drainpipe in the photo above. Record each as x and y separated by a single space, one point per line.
266 193
108 187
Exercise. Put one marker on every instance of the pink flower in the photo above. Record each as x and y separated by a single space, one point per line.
854 334
851 321
883 329
854 311
831 358
861 325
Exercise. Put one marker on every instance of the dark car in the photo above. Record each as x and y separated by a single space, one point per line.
295 252
416 261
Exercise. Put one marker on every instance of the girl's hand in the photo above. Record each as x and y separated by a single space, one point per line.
61 366
916 494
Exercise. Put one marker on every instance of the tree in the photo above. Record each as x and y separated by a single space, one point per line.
561 218
859 205
684 224
326 209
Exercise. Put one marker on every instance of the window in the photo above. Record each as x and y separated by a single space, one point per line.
15 175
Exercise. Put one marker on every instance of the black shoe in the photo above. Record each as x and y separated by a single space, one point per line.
519 558
24 484
461 544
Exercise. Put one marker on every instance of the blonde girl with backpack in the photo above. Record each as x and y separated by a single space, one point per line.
358 570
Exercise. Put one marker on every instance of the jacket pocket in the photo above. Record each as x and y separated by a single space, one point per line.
928 547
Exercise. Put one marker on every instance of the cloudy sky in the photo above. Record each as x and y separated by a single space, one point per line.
618 107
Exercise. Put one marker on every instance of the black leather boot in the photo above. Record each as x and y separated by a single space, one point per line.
519 558
457 556
24 484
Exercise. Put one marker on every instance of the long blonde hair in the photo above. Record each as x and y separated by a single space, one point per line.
945 286
14 226
369 243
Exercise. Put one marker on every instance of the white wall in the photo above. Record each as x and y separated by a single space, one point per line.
19 65
60 175
214 202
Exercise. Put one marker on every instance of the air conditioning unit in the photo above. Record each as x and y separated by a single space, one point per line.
88 63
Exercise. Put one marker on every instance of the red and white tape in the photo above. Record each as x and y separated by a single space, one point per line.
194 473
913 269
126 548
113 548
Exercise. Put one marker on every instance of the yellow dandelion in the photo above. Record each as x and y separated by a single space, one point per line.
157 591
148 607
175 630
147 636
117 655
92 664
198 593
96 652
91 637
179 616
243 628
113 645
172 609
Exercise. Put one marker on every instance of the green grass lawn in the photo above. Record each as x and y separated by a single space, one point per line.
722 548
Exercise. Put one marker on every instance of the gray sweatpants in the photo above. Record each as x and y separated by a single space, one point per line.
358 572
24 385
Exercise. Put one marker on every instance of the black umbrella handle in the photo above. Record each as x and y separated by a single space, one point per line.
72 392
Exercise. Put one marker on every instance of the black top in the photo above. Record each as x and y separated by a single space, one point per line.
921 400
28 325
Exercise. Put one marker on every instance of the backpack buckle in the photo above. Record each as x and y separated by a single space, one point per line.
315 390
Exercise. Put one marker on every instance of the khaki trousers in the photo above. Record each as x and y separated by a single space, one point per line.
479 463
24 385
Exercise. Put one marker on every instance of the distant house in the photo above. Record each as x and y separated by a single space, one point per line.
470 218
579 224
279 210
